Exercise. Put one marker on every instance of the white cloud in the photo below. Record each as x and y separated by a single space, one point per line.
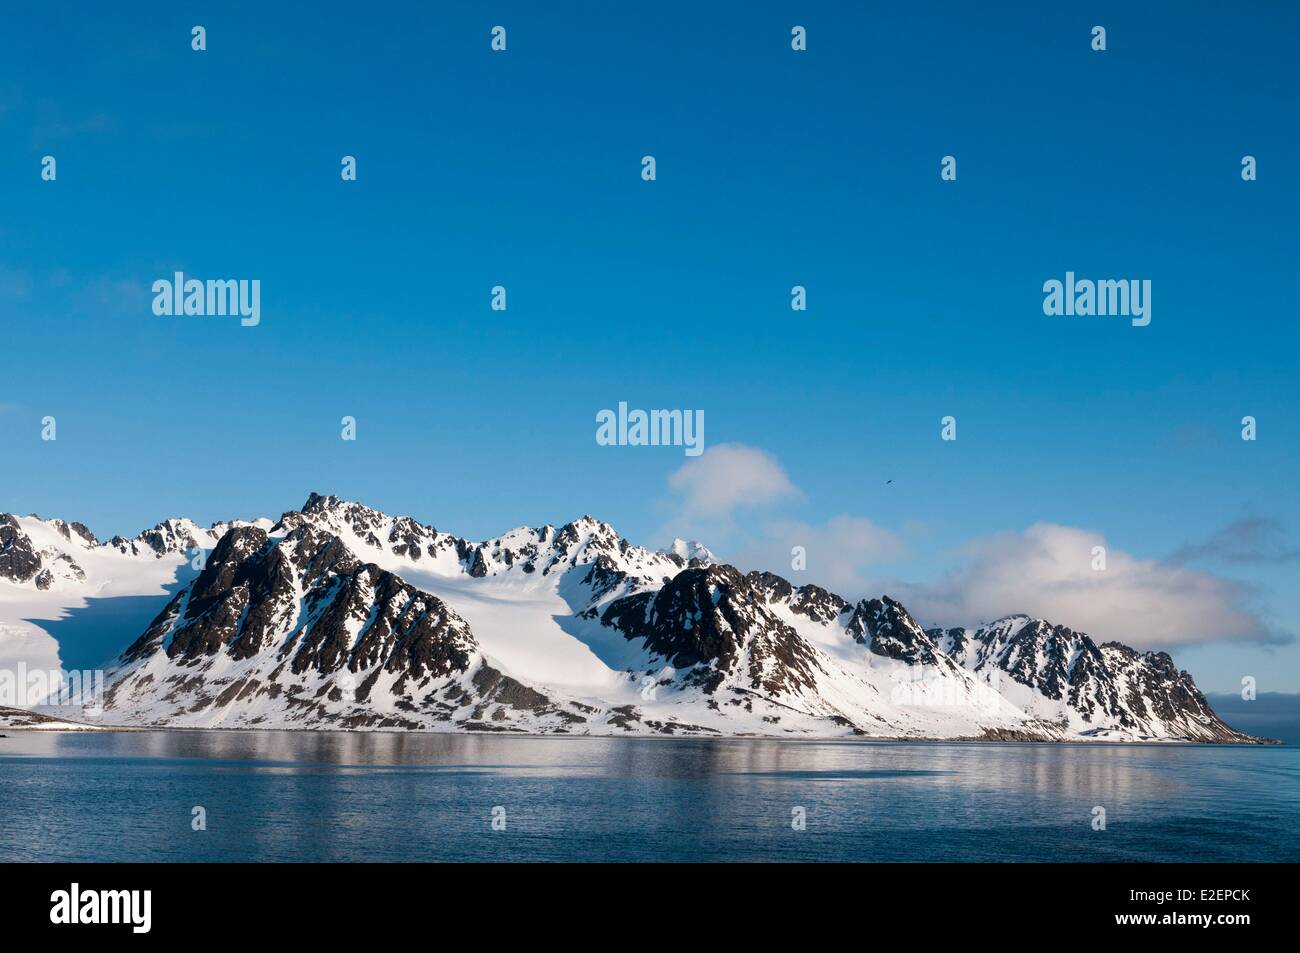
1046 571
837 551
727 477
730 479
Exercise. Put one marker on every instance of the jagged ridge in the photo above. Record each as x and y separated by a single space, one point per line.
340 614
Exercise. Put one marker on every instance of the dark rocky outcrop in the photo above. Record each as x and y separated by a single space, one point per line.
19 561
886 628
704 619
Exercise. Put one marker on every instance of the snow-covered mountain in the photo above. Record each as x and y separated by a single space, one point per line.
337 615
52 554
690 549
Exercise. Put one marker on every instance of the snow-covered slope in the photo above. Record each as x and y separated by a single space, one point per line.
52 569
690 549
338 615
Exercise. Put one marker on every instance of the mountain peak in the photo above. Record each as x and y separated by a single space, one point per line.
689 549
317 502
589 524
340 615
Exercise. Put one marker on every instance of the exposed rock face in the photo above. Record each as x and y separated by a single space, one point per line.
298 623
18 559
885 627
707 619
47 554
78 531
1111 686
811 601
338 615
169 536
1156 695
818 604
1051 659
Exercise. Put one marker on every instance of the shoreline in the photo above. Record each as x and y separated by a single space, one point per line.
88 729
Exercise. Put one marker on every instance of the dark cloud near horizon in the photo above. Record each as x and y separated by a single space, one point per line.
1255 540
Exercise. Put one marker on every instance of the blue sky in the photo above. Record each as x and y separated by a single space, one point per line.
775 168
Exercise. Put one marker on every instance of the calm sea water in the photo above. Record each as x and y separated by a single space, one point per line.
282 796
